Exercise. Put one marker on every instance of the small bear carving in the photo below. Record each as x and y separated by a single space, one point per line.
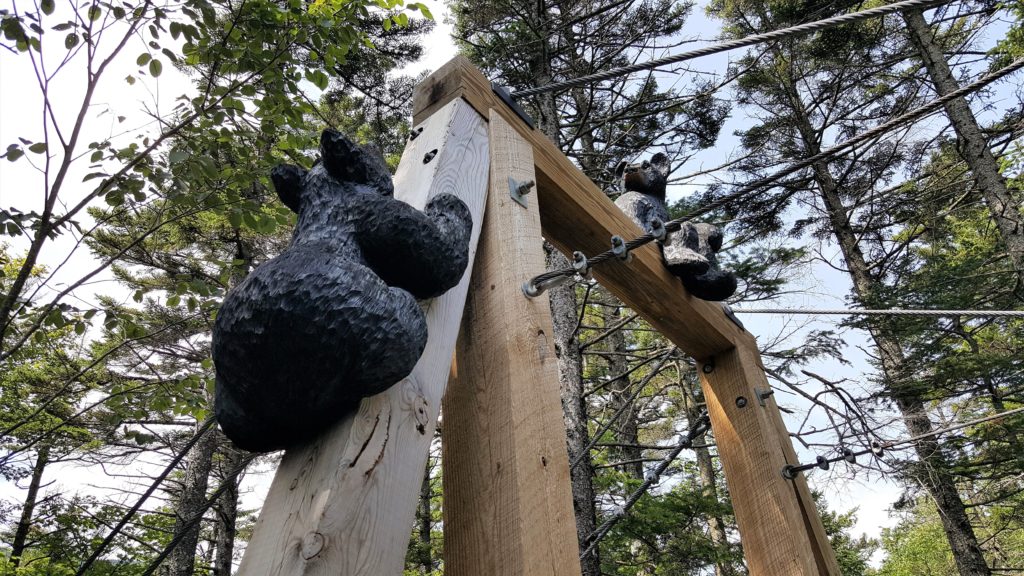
335 317
689 253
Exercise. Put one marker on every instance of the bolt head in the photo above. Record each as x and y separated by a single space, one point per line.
741 401
708 368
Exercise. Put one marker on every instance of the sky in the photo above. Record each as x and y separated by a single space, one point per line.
820 286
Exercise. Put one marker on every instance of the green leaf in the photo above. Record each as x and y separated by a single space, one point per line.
13 153
46 6
387 24
79 328
96 156
424 11
94 13
38 148
173 300
155 68
177 155
318 78
143 59
138 296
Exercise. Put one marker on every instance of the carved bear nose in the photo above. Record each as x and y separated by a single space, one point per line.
632 169
646 165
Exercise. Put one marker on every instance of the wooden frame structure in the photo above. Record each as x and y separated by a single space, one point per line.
345 505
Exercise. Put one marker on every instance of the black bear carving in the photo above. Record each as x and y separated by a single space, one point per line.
688 253
334 318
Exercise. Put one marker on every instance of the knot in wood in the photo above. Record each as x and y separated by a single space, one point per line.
312 544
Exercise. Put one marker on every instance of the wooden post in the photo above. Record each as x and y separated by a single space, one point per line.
507 500
344 505
780 530
779 526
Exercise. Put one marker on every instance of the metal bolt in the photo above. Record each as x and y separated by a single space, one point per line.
429 156
763 394
877 449
741 401
708 367
524 187
415 132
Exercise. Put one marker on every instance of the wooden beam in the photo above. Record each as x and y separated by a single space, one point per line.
780 530
344 505
507 500
576 215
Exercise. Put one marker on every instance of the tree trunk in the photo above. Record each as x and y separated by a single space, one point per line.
935 474
574 410
974 146
227 513
625 428
423 522
182 560
706 470
29 508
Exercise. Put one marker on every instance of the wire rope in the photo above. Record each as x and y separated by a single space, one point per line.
733 44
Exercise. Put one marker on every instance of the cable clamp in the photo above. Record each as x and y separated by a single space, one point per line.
877 449
620 250
580 264
658 230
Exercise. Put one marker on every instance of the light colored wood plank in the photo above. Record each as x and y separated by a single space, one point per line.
779 530
576 215
508 503
344 505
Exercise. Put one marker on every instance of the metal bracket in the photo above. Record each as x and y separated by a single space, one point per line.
518 190
732 316
507 98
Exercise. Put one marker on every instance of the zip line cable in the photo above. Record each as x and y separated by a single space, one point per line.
699 427
538 284
885 312
878 448
733 44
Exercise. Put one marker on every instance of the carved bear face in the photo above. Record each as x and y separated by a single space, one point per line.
342 160
648 177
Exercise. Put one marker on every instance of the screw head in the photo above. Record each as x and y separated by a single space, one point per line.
741 401
708 368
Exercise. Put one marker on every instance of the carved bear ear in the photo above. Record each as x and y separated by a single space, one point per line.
349 162
287 179
660 163
620 169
